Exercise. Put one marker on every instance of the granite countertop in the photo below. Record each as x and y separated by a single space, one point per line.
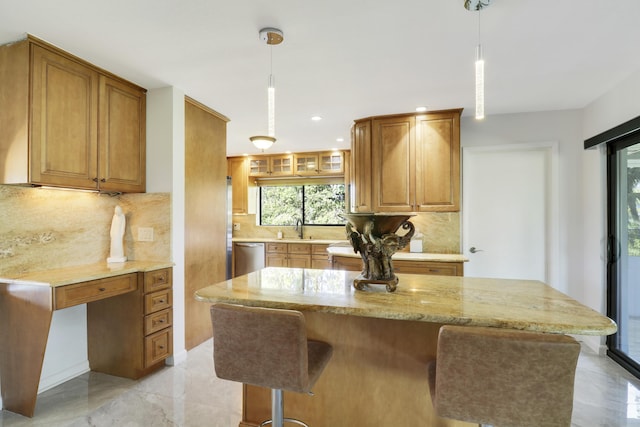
347 251
503 303
82 273
287 240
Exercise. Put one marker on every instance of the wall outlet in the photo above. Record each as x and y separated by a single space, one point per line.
145 234
236 226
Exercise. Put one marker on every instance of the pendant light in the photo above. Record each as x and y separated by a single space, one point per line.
270 36
477 6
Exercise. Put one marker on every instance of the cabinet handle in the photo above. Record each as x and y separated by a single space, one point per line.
161 347
102 289
95 179
103 180
161 301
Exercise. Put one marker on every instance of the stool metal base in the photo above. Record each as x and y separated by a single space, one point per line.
277 411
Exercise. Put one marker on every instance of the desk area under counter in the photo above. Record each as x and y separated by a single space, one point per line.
129 322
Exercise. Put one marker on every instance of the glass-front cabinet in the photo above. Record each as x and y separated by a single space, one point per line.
271 166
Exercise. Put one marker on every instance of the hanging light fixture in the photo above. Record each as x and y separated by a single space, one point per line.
477 6
270 36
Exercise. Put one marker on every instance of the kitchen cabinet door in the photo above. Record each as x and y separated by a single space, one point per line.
361 167
306 164
393 167
122 138
437 178
298 261
237 170
276 260
64 121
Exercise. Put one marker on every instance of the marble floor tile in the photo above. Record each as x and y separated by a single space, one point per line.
189 395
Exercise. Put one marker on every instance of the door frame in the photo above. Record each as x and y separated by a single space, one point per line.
552 237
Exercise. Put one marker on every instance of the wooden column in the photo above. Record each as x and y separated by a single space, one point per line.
205 213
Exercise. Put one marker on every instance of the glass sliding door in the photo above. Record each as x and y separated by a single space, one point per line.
623 264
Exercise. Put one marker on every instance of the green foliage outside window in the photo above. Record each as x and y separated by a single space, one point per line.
317 204
633 200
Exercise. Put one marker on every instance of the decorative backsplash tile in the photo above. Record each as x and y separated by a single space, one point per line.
47 228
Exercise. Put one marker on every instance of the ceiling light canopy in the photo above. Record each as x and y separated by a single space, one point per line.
270 36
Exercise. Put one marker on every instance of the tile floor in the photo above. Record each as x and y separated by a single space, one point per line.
189 395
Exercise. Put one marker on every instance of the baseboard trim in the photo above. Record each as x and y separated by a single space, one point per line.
58 378
177 358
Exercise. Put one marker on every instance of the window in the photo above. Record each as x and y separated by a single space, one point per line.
313 204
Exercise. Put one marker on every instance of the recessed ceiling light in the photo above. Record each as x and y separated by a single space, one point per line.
340 139
316 118
245 154
421 109
287 152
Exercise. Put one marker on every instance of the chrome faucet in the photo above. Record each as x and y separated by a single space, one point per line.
299 230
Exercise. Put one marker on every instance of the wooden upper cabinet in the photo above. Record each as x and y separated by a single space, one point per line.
237 170
360 183
121 138
393 168
64 121
69 124
319 164
331 162
438 162
271 166
415 163
306 164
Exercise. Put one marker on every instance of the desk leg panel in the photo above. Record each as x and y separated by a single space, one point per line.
25 319
377 376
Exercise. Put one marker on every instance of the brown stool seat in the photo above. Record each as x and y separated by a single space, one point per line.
503 377
268 348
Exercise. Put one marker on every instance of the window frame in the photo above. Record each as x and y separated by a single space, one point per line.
303 184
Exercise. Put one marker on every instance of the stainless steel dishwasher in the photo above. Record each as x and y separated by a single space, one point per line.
247 257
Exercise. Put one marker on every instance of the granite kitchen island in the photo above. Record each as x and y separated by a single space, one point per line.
382 340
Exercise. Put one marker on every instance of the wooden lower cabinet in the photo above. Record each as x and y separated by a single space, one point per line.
404 266
293 255
297 255
130 335
320 257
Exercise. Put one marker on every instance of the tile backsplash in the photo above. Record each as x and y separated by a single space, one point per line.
441 231
48 228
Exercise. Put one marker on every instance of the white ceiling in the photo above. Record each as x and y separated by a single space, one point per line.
345 59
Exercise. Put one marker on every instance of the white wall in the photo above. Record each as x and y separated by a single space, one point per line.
564 128
165 172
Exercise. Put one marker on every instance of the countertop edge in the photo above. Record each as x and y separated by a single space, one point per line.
609 329
401 256
287 240
83 273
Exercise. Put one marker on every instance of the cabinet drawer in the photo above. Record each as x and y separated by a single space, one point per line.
319 250
157 301
81 293
158 347
158 321
280 248
435 268
156 280
299 248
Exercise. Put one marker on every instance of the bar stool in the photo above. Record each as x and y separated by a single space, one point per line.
503 377
268 348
